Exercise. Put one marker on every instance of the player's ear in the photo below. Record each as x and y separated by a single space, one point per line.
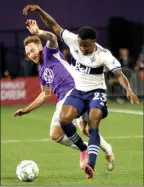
40 47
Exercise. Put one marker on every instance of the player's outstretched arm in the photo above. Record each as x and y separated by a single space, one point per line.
34 29
125 84
41 99
46 18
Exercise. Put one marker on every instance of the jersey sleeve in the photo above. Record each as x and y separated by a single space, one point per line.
48 52
111 62
68 37
42 82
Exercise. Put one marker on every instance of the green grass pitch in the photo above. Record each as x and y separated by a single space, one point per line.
59 165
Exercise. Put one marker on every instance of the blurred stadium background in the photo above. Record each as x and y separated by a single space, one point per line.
120 26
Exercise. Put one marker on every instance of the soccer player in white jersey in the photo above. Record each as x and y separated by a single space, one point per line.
54 77
90 92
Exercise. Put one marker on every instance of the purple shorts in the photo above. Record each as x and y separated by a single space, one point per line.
85 101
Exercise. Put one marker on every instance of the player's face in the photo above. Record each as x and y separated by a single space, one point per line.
86 46
33 52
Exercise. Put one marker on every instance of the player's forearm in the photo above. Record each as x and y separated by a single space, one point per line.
41 99
46 35
46 18
124 82
122 79
49 21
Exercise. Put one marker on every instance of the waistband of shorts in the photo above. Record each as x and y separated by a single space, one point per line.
95 90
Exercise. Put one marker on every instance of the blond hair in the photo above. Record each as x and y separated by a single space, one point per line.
32 39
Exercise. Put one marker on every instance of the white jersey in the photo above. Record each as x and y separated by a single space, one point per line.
88 69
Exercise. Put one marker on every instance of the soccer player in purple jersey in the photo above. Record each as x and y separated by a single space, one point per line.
54 76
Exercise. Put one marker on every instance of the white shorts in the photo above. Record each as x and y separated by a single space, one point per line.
56 115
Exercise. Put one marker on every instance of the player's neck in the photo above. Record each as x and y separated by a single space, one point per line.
41 58
95 49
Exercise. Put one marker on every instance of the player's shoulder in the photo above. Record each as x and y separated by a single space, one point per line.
102 51
47 51
67 35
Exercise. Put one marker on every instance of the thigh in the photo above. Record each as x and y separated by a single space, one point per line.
99 102
55 128
56 115
75 101
62 111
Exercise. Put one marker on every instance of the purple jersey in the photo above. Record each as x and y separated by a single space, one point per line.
53 72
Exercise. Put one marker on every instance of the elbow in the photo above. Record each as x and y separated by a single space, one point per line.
46 96
56 29
119 77
53 37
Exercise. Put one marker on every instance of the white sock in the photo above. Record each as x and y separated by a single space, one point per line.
64 140
105 146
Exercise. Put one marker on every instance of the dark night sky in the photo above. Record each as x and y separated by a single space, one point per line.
68 13
72 13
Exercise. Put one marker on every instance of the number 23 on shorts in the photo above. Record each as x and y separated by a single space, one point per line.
100 96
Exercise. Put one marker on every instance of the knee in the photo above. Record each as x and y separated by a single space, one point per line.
64 118
93 122
95 118
55 133
55 136
68 114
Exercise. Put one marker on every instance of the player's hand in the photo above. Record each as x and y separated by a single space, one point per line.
29 8
32 26
132 97
20 112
